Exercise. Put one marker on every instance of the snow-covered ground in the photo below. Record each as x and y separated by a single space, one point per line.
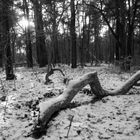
112 118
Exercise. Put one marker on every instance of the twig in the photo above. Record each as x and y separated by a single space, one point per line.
14 77
5 108
5 96
71 119
2 85
3 89
14 84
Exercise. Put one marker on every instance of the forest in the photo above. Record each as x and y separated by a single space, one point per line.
70 69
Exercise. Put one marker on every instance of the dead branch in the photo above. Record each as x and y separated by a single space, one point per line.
49 107
52 72
71 119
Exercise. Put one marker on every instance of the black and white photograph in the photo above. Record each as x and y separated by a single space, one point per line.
69 69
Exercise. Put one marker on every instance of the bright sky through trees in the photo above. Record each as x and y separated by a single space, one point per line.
25 23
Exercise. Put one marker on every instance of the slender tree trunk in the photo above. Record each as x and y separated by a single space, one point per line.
88 42
131 20
96 26
1 37
1 53
83 49
83 52
129 41
96 45
80 45
69 49
56 58
111 46
117 48
13 39
28 37
65 47
29 50
13 44
73 36
1 46
122 28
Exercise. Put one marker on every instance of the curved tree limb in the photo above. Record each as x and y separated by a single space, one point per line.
49 107
100 92
52 72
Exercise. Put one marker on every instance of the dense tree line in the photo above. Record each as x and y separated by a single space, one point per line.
69 32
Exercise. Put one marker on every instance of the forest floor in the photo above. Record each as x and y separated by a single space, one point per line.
112 118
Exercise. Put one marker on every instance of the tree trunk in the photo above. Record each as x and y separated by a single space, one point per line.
96 26
1 49
13 40
96 49
88 42
122 28
40 37
83 52
56 57
117 47
129 41
132 11
49 107
28 37
1 57
6 41
73 36
111 48
1 38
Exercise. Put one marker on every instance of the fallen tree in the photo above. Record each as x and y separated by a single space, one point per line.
48 108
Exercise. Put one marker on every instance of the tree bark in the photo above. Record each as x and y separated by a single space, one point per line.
28 36
131 21
49 107
73 36
6 40
1 38
1 52
56 57
41 49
